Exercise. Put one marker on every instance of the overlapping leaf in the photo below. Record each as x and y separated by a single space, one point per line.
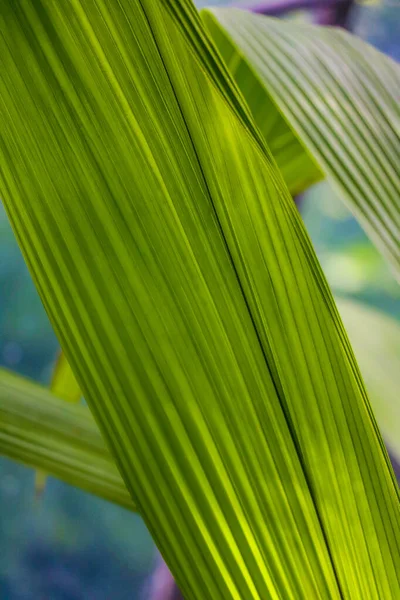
62 439
37 429
190 305
375 338
295 162
332 93
64 385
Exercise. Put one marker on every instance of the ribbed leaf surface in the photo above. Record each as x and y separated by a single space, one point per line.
337 96
295 162
64 385
36 427
42 431
189 303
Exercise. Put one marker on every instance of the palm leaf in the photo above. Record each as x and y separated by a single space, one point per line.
64 385
375 338
36 428
336 96
63 382
295 162
42 431
190 305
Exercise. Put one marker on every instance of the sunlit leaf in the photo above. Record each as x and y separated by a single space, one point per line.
295 162
64 385
375 338
63 381
341 100
189 302
32 418
42 431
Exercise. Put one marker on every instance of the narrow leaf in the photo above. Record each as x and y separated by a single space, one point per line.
36 417
375 338
64 385
337 96
189 303
63 382
295 162
42 431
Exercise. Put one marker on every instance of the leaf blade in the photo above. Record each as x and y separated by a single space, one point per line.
148 271
327 82
63 383
42 431
296 164
376 341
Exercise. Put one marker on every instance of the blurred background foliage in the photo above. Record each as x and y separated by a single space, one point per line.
68 545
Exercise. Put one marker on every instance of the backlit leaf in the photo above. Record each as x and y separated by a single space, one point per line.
64 385
189 302
336 96
63 382
62 439
375 338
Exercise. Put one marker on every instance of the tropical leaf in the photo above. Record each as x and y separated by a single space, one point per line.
336 95
42 431
64 385
375 338
63 382
295 162
188 300
37 417
37 429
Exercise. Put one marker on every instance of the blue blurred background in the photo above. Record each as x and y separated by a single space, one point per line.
68 545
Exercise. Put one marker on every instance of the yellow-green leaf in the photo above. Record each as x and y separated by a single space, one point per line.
63 382
64 385
62 439
189 302
376 341
295 162
37 429
334 95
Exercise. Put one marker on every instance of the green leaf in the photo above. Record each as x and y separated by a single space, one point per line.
64 385
335 95
375 338
295 162
63 382
188 300
37 429
42 431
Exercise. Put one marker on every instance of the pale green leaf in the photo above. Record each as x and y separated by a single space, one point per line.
337 95
42 431
295 162
375 338
190 305
37 429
